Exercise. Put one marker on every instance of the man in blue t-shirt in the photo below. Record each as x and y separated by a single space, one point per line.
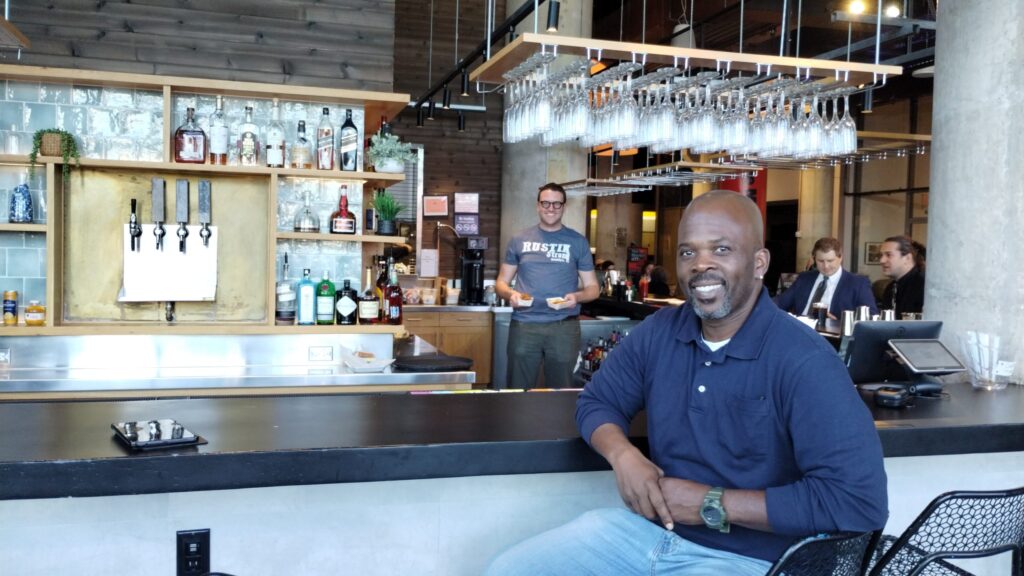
547 261
756 435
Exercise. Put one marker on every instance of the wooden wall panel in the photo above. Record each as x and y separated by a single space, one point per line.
455 161
338 44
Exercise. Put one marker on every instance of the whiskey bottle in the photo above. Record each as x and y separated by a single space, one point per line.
369 305
346 304
381 287
343 221
190 143
393 294
219 135
306 313
325 142
249 141
325 300
275 138
349 143
300 157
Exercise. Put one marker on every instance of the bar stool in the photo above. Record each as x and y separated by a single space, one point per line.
838 554
961 524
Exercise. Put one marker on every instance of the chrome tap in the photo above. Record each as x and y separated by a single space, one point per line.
135 230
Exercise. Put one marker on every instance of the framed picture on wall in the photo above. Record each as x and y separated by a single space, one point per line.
435 205
873 253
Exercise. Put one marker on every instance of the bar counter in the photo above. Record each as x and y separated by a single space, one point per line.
59 449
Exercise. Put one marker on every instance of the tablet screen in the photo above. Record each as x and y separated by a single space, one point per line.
926 356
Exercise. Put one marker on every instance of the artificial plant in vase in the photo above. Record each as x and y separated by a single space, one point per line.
54 142
388 154
387 209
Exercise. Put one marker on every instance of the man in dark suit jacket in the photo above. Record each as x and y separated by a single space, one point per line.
842 291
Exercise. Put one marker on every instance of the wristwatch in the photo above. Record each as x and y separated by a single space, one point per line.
712 512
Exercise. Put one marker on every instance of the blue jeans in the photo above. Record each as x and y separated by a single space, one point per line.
617 542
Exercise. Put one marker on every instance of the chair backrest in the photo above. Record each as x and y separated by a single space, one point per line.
962 524
838 554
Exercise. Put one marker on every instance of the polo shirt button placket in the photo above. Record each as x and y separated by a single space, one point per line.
707 362
701 388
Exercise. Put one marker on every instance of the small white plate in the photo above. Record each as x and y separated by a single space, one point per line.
367 365
559 303
525 303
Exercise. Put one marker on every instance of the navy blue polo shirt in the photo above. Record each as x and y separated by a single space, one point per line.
772 410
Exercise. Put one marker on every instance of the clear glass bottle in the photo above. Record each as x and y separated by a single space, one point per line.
35 313
325 300
325 142
300 156
249 141
275 138
349 143
219 133
190 143
307 220
306 306
285 309
369 305
343 221
346 304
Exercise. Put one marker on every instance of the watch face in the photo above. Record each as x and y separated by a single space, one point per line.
711 515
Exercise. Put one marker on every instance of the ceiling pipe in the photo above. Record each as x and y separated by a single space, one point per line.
463 64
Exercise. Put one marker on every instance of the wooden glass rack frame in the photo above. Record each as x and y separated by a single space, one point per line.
524 46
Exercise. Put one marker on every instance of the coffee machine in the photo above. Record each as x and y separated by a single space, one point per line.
472 271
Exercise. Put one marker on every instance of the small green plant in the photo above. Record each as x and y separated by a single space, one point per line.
68 150
386 206
387 147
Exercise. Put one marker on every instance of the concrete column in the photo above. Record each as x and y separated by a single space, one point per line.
815 209
975 278
526 165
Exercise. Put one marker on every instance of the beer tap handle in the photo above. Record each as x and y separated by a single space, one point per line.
181 210
134 230
205 211
158 212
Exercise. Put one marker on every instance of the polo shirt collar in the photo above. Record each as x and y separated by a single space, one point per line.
747 343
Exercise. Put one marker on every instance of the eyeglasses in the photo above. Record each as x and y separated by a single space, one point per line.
556 205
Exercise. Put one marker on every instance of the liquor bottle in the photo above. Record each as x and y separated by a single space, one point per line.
343 221
190 143
385 128
325 142
249 141
306 313
346 304
275 138
307 220
379 289
301 157
219 135
349 143
285 308
369 305
394 295
325 300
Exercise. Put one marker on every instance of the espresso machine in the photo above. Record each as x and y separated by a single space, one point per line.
472 271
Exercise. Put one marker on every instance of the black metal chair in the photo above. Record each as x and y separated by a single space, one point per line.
838 554
962 524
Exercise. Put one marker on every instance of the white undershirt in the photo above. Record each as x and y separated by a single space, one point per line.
714 346
830 289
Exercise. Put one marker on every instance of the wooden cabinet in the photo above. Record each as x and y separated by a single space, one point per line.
466 334
84 238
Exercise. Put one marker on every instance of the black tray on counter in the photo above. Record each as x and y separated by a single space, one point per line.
155 434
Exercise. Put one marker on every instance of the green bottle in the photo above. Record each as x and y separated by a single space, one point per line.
325 300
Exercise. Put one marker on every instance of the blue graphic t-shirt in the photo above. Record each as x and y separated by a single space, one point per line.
548 265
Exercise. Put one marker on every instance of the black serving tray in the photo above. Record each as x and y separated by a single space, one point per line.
155 434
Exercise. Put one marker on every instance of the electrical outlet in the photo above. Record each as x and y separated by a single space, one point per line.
193 552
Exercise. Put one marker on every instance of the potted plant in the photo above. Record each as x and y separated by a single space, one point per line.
54 142
387 209
389 155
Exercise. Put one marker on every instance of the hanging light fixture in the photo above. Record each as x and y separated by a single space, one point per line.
869 102
892 10
446 98
553 6
431 108
462 121
419 117
465 83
